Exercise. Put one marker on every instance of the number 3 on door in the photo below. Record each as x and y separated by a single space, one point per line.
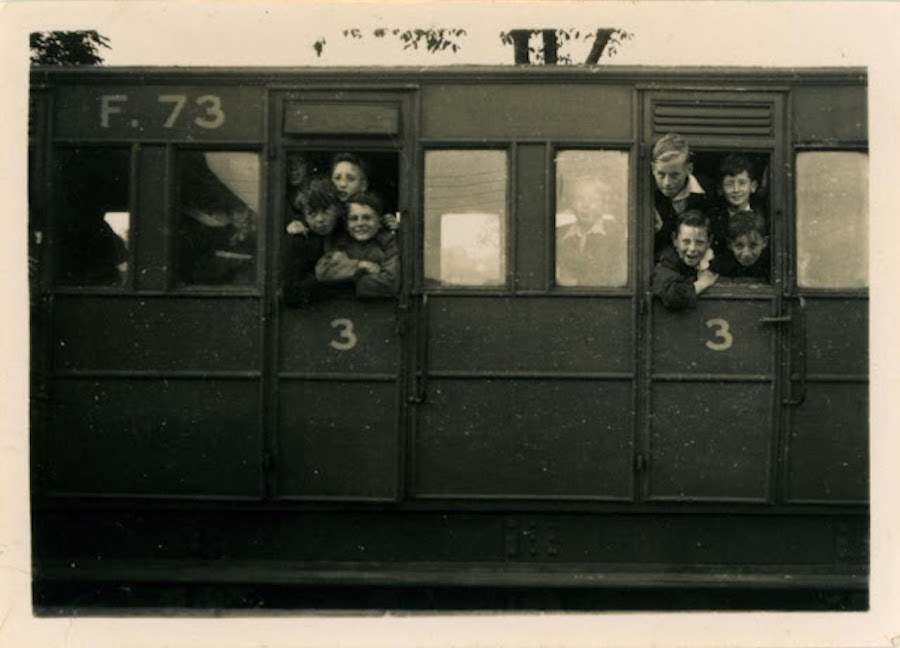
721 332
346 337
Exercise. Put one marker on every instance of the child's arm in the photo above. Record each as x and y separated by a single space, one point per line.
676 291
386 281
336 266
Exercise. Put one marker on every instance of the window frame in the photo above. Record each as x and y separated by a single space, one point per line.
172 188
54 240
632 235
423 284
793 282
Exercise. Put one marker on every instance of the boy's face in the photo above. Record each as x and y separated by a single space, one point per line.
738 189
362 221
588 203
691 243
672 175
297 172
748 247
322 222
348 179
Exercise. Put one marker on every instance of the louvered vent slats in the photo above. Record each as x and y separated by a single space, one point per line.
719 119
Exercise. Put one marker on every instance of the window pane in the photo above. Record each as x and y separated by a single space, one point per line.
465 218
219 213
832 219
92 216
592 218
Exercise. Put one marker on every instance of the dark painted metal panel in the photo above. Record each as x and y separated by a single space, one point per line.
550 334
136 112
340 335
151 221
525 437
837 334
341 118
134 333
531 218
527 110
146 437
338 439
828 446
498 541
710 440
719 336
830 112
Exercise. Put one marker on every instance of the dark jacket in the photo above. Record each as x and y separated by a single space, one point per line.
727 265
673 281
299 285
341 263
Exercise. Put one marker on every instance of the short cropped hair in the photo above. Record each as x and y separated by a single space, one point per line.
324 196
735 164
692 218
669 146
745 223
352 158
368 199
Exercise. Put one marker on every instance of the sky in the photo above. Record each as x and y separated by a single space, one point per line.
147 32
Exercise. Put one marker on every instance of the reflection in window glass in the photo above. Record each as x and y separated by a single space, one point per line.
832 219
465 218
592 218
92 216
219 213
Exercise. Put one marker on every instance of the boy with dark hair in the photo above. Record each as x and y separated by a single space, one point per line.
677 190
682 272
324 212
366 254
736 187
747 253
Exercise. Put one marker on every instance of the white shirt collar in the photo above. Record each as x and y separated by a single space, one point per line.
692 186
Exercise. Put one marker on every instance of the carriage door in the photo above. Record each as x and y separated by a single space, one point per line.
337 356
713 371
525 372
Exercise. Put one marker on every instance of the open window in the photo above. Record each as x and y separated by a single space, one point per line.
741 243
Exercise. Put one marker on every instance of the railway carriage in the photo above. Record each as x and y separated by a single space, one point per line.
495 428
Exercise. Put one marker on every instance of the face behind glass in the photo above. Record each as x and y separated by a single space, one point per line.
588 203
348 179
738 189
671 175
747 248
322 222
362 221
691 243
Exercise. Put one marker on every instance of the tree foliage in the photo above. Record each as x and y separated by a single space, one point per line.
67 47
527 48
606 40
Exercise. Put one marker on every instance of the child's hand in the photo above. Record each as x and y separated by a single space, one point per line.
390 222
705 279
297 227
369 267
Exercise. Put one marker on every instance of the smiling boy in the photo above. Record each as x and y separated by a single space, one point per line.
366 253
736 187
680 276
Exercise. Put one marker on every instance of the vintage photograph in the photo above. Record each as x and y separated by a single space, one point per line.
447 317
